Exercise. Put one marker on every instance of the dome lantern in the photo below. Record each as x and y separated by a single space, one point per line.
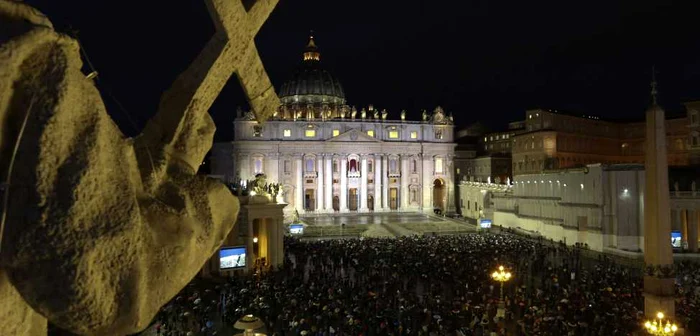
311 54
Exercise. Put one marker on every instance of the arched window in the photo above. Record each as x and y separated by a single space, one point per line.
257 164
392 165
309 165
352 167
438 165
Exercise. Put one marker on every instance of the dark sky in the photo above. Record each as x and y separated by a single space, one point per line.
483 60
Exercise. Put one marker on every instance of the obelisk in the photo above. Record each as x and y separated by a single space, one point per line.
658 255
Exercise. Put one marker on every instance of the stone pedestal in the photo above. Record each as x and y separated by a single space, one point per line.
260 217
658 296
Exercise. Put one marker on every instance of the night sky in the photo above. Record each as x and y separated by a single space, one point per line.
486 60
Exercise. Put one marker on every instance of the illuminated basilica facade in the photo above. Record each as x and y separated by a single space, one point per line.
328 157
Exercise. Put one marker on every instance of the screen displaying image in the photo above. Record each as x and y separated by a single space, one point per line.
485 223
296 229
232 257
676 239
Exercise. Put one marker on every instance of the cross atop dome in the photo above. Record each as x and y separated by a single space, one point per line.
311 53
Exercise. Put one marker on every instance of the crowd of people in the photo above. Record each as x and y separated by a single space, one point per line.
438 285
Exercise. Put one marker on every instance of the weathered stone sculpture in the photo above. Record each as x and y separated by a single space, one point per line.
101 230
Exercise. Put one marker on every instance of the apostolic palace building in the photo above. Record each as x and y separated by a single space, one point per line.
329 157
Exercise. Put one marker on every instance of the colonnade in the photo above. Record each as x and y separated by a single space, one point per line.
687 222
332 183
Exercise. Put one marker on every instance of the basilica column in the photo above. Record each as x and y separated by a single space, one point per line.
684 214
363 184
450 192
299 187
344 183
236 167
378 186
693 231
385 182
319 182
427 182
329 182
404 182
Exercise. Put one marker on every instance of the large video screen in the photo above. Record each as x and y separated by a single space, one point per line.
485 223
676 239
232 257
296 229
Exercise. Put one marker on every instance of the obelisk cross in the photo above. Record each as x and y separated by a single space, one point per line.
182 113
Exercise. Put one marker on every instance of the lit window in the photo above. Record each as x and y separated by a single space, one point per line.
370 133
414 135
457 170
393 134
287 133
486 139
336 133
310 133
438 165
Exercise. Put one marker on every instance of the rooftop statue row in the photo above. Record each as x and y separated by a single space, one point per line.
312 112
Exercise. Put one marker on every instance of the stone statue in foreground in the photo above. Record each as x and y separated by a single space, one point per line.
101 230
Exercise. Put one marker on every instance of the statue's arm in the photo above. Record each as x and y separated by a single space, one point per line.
85 245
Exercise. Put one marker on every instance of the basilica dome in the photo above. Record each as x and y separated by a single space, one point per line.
311 84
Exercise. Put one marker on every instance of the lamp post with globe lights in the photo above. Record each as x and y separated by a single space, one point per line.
501 276
249 324
659 328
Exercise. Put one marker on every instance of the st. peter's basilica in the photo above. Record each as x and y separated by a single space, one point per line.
328 157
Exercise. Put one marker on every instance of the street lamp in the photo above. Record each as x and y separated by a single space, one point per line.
248 324
501 276
657 327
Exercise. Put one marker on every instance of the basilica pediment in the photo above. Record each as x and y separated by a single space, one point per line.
353 135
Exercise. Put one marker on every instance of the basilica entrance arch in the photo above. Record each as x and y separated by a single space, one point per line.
336 203
394 198
353 199
439 194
